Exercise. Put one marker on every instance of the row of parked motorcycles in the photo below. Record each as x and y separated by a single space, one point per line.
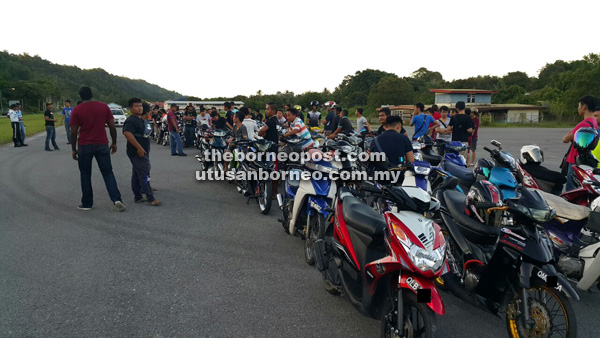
500 236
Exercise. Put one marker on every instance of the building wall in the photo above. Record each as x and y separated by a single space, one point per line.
442 98
523 116
483 98
455 97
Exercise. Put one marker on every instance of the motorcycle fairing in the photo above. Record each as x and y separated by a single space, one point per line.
529 271
504 179
319 205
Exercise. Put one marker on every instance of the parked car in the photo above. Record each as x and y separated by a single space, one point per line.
119 116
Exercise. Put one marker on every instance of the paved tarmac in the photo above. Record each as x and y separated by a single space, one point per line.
204 264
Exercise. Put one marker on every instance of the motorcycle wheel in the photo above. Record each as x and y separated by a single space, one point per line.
264 196
316 229
165 140
550 311
419 320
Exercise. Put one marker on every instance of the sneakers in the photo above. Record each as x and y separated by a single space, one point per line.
56 148
174 154
154 203
48 149
82 207
143 199
183 154
24 145
120 206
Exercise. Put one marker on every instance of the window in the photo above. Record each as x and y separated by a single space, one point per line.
470 98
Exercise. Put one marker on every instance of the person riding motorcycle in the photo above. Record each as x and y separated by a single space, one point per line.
397 147
298 128
314 116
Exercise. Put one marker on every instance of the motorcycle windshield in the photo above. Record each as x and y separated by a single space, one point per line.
503 178
218 143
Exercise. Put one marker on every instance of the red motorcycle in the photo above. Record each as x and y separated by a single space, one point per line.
386 264
588 191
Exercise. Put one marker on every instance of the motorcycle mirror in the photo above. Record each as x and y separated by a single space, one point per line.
496 144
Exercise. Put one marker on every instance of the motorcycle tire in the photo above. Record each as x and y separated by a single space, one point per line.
316 230
514 324
426 327
264 197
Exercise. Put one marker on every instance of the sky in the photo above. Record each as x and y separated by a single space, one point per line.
225 48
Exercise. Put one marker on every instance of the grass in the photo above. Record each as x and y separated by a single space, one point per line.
543 124
34 124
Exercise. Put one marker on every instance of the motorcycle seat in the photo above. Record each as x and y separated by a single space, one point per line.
362 218
432 158
545 174
459 172
475 231
564 208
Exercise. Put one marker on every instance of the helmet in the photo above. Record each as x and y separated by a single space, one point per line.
585 139
426 140
484 167
298 107
314 103
531 154
483 192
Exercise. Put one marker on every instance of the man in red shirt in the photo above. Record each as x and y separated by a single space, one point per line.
87 125
585 109
176 144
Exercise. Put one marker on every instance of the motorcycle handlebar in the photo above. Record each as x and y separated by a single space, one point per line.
486 205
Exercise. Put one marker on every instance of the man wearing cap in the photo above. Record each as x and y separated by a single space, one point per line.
21 125
13 114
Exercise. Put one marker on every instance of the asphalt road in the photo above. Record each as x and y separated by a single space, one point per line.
204 264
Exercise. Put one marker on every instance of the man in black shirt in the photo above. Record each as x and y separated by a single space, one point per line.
344 126
228 115
461 124
397 147
336 119
218 121
384 113
189 118
138 147
270 133
50 131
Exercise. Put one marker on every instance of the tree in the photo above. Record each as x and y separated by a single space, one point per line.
361 81
391 90
516 79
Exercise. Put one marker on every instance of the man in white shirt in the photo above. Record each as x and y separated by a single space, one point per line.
13 114
251 126
203 117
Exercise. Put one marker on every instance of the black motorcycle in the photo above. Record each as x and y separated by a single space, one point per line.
260 162
510 268
212 145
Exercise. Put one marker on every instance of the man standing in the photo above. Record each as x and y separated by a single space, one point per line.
203 118
336 119
50 131
138 147
87 131
384 113
344 127
189 130
361 121
13 114
270 133
66 118
461 124
176 146
21 124
329 120
423 123
314 116
473 139
229 115
251 126
585 109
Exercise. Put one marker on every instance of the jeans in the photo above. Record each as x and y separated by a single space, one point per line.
140 177
51 135
570 185
102 154
68 130
22 131
189 132
176 142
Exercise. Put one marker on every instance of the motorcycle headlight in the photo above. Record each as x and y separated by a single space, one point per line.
421 258
347 149
422 170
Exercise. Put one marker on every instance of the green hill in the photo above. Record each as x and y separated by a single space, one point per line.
36 81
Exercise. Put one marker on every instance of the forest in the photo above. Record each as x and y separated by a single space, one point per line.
557 86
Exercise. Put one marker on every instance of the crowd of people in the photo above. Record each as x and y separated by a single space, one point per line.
85 130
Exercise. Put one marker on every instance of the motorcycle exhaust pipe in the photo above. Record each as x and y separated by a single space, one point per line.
280 200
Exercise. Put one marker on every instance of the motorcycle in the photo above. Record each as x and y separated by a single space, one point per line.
386 264
508 269
254 188
532 174
575 234
212 147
